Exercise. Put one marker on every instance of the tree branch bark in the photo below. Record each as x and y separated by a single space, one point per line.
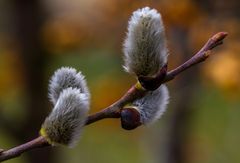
132 94
17 151
135 93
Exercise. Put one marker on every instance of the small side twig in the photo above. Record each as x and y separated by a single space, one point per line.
113 111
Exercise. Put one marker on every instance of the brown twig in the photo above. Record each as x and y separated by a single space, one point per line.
201 56
134 93
17 151
113 111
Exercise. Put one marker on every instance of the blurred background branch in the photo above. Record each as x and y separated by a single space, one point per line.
27 18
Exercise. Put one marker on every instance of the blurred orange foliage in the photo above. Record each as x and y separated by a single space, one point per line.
224 70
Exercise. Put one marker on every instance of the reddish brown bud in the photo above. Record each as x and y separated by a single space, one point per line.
152 83
130 118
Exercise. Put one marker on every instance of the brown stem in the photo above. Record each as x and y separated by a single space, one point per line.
113 110
17 151
201 56
135 92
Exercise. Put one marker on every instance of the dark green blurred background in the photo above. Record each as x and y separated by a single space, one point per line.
202 120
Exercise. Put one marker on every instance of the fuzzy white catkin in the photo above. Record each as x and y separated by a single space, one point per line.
63 78
153 105
65 123
144 48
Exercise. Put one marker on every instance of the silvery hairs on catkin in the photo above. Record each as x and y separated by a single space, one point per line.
144 48
153 105
63 78
65 123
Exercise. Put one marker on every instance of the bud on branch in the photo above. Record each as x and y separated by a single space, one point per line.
145 56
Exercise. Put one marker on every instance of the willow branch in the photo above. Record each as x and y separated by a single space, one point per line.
113 111
135 93
39 142
199 57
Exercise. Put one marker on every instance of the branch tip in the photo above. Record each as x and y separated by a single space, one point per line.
219 36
